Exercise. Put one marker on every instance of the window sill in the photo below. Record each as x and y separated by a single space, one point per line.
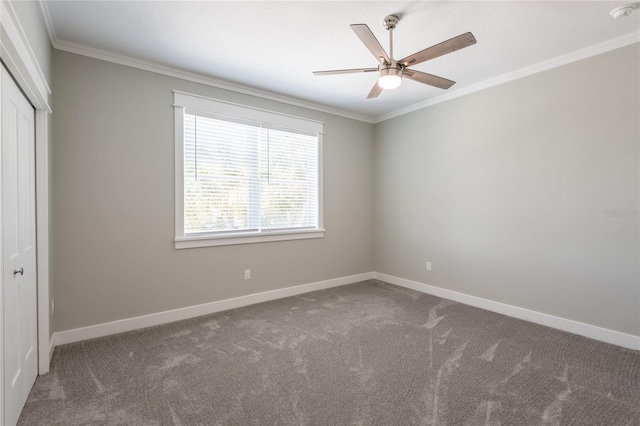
249 238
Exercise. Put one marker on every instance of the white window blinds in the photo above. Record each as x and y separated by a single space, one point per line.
241 177
220 175
245 175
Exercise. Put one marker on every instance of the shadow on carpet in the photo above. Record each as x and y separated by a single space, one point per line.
368 354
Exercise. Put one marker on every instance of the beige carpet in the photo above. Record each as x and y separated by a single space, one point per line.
363 354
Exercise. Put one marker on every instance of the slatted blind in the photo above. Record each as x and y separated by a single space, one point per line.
243 176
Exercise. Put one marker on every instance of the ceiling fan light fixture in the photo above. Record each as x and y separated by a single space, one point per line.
390 78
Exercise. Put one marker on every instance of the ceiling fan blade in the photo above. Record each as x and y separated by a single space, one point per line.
375 91
349 71
451 45
366 36
430 79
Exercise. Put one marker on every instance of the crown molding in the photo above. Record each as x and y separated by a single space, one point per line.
116 58
201 79
129 61
578 55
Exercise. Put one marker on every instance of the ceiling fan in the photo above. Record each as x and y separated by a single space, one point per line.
391 71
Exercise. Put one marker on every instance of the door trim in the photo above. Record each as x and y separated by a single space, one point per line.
45 348
21 61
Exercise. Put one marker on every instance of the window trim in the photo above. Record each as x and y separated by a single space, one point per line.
184 101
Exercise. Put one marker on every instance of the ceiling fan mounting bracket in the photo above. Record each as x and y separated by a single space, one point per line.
391 21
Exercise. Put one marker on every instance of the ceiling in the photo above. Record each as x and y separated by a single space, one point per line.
274 46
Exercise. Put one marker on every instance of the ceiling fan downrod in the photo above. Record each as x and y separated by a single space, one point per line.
390 74
390 22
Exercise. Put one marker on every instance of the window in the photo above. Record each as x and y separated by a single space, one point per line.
245 175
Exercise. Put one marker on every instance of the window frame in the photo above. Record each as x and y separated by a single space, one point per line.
186 101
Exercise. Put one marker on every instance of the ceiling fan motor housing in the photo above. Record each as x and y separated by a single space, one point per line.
390 69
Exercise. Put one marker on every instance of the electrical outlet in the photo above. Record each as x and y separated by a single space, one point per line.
428 266
53 305
247 274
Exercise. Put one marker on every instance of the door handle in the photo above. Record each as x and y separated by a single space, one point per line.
19 271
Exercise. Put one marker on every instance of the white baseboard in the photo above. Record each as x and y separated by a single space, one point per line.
129 324
594 332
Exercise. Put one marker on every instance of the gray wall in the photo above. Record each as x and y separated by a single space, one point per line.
113 207
505 191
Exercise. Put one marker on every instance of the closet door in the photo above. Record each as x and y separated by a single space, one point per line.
19 310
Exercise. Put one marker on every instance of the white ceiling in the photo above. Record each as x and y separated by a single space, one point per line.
275 45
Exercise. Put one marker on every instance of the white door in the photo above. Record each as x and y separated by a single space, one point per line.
19 308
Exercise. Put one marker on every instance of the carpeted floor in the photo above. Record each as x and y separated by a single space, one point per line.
362 354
